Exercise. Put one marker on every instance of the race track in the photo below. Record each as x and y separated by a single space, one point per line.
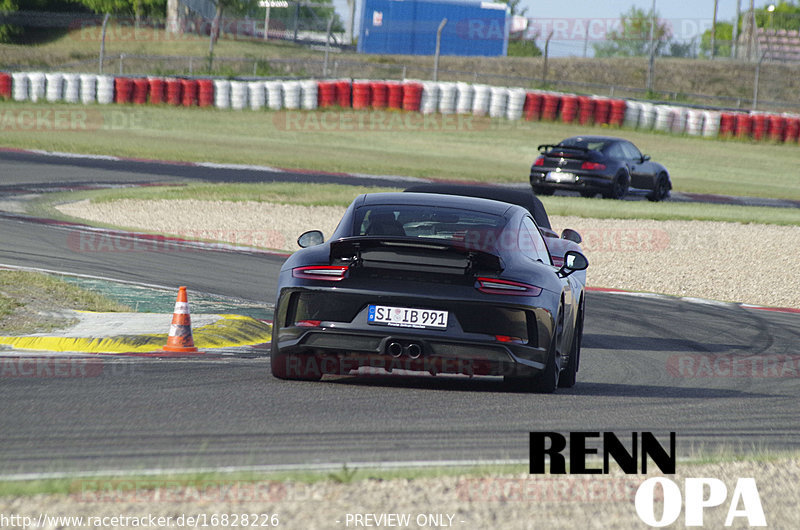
636 375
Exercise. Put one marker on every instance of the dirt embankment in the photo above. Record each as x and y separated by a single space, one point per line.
720 261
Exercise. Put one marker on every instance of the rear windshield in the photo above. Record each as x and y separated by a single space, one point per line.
592 145
426 222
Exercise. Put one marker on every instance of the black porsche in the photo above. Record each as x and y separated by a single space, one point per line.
421 282
598 164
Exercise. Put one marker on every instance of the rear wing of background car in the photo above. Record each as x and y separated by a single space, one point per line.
552 147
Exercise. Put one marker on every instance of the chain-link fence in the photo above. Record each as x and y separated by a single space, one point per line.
146 47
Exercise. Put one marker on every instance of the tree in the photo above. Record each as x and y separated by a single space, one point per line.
723 40
785 16
633 38
514 6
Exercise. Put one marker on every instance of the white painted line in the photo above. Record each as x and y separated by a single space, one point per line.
73 155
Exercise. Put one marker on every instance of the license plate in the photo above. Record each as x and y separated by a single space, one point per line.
559 176
407 317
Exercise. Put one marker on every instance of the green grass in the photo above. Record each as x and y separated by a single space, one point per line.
394 143
341 195
24 295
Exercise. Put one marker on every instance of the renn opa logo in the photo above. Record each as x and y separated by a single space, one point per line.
744 503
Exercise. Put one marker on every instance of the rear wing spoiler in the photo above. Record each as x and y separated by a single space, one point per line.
557 146
413 253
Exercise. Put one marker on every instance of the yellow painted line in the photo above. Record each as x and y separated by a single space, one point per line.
228 331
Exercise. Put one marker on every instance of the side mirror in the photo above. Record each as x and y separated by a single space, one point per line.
645 158
573 261
571 235
310 239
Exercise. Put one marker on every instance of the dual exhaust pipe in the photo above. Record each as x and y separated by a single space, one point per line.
413 350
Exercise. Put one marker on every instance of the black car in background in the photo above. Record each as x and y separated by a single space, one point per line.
433 283
598 164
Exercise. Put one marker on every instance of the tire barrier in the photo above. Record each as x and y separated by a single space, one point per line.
123 90
569 108
291 95
239 95
412 96
394 99
257 93
585 110
464 94
343 94
481 97
5 85
19 86
379 95
533 106
36 86
647 115
173 89
711 121
632 111
664 116
602 111
616 115
430 97
550 104
726 124
760 124
498 102
222 93
326 94
426 97
516 103
274 94
205 92
447 98
362 94
694 122
141 88
308 94
189 92
55 87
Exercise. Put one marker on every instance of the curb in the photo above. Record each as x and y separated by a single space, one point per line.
229 331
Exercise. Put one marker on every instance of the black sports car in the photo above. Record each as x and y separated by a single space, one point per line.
598 164
432 283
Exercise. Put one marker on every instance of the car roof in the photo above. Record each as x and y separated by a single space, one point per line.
596 138
431 199
521 197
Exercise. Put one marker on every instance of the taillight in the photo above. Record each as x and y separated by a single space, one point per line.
506 338
592 166
308 323
539 161
497 286
321 272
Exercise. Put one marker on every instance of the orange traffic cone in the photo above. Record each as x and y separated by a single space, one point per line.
180 332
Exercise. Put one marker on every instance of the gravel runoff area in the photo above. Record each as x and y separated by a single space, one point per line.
508 501
747 263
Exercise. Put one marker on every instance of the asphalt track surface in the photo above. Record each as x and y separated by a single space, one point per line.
721 376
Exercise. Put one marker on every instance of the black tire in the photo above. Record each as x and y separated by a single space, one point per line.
569 375
619 188
294 367
538 190
661 191
588 194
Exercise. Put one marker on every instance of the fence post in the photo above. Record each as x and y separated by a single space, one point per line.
121 59
438 46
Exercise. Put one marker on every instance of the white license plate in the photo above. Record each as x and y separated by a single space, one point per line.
407 317
560 176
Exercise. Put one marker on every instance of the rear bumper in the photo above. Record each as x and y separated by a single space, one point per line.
584 181
340 352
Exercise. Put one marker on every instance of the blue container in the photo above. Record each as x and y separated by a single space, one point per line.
408 27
